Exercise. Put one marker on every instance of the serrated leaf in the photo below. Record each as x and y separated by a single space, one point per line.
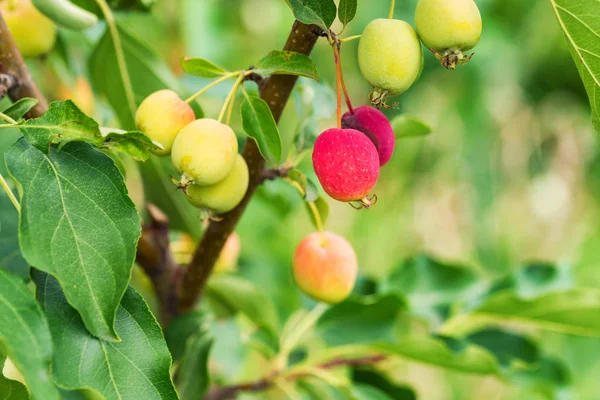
581 28
347 11
192 375
259 124
10 252
78 224
25 336
318 12
19 108
321 207
572 312
408 126
137 367
9 389
201 67
287 63
133 143
62 123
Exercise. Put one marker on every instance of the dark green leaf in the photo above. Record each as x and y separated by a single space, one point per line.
62 123
318 12
135 144
10 252
116 5
373 378
287 63
506 346
9 389
137 367
193 375
25 336
321 207
547 370
536 279
181 329
347 11
78 224
240 295
259 124
364 319
367 392
201 67
21 107
409 126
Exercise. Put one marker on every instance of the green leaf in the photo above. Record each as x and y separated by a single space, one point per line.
9 389
21 107
25 336
287 63
508 347
375 379
581 28
179 330
409 126
10 252
133 143
78 224
347 11
572 312
238 294
201 67
134 368
259 124
318 12
193 375
322 209
367 392
365 319
536 279
62 123
147 72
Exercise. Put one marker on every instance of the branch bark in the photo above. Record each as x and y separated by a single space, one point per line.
275 91
12 64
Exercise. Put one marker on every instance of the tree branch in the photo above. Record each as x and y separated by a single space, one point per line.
275 91
13 65
231 392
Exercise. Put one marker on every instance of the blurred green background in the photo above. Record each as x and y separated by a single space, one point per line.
509 175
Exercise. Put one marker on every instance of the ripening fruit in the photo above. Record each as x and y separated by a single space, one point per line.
80 93
161 116
230 253
182 245
33 32
376 126
449 27
390 55
224 195
325 267
346 163
205 151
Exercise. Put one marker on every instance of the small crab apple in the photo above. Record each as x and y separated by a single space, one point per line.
32 31
224 195
449 28
230 253
376 126
347 165
204 152
325 267
389 57
161 116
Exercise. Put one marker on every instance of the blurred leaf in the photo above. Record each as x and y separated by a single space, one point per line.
66 14
506 346
347 11
536 279
135 144
21 107
201 67
373 378
572 312
240 295
297 179
409 126
25 336
9 389
581 28
193 375
136 367
10 252
287 63
428 283
259 124
79 224
318 12
322 209
179 330
365 319
115 5
547 370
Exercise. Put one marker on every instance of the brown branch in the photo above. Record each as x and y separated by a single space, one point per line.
275 91
231 392
12 64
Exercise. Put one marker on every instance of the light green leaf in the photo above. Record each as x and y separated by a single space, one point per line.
21 107
347 11
367 392
581 28
259 124
133 143
572 312
408 126
287 63
135 368
9 389
318 12
10 252
321 207
78 224
25 336
193 375
374 378
201 67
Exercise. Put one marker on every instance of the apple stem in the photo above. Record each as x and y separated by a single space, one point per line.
10 193
231 96
392 6
210 85
338 82
316 215
337 49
